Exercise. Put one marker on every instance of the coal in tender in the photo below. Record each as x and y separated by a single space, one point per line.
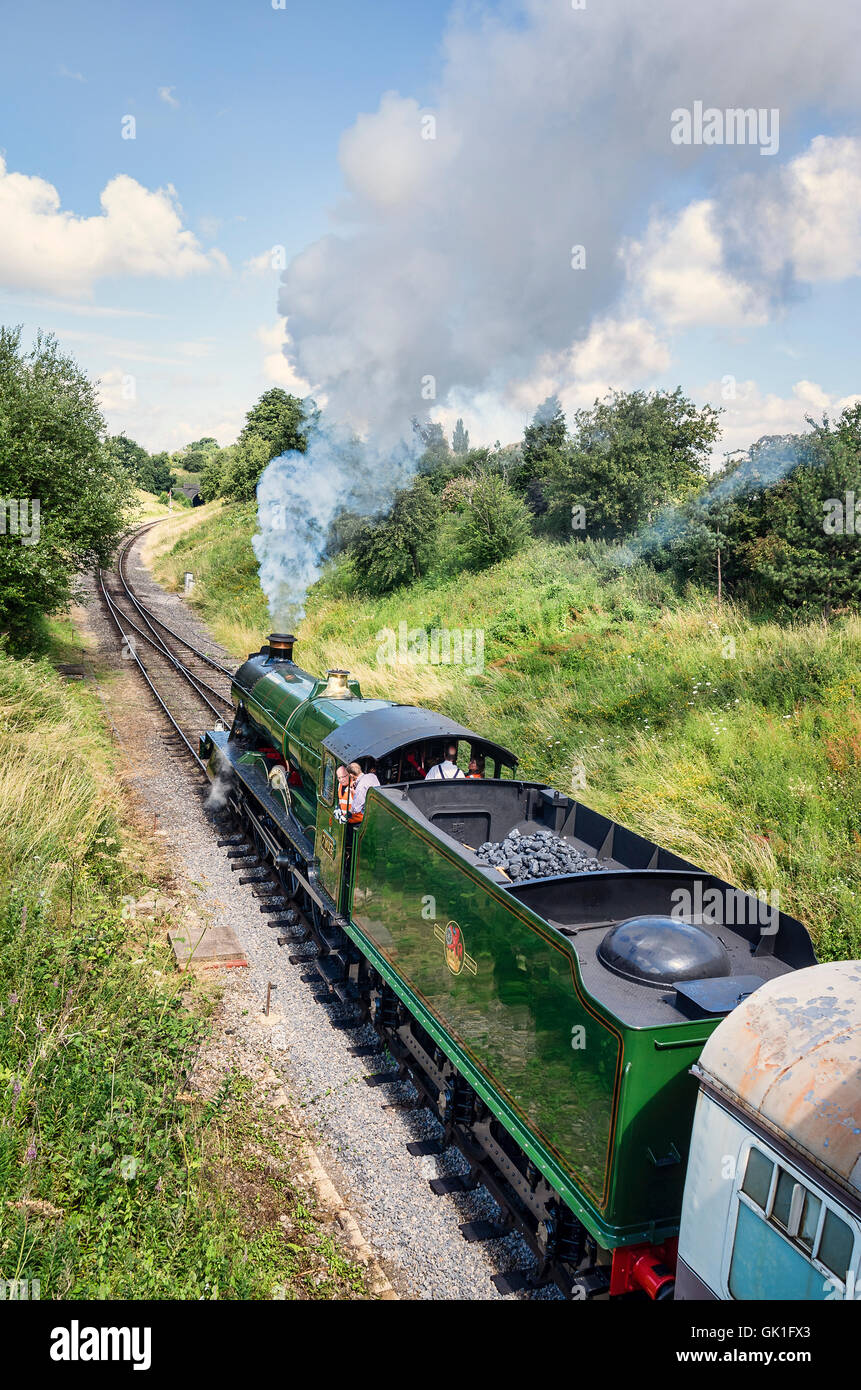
542 855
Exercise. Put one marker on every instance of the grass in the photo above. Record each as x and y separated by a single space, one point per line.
146 507
733 741
115 1181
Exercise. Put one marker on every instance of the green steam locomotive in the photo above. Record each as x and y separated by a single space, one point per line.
551 1022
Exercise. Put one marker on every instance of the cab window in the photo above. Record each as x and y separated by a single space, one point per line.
327 791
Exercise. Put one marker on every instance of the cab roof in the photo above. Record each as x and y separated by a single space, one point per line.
381 731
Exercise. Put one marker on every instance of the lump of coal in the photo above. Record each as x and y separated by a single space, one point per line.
541 855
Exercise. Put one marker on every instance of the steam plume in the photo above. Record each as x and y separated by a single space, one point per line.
449 276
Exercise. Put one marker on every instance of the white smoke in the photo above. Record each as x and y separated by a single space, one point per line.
452 273
552 130
299 496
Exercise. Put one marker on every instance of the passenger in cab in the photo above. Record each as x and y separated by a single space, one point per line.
448 769
364 781
476 769
415 768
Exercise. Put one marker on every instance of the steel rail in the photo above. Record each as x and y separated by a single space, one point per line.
147 613
163 650
117 613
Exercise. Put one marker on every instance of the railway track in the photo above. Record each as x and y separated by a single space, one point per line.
173 668
168 662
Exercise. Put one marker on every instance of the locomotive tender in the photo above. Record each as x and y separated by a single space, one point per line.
551 1024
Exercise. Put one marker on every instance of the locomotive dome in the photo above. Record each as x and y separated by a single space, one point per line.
791 1055
657 950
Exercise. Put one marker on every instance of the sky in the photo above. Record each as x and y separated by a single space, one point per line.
447 209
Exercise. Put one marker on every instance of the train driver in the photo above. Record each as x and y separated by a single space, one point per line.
364 780
448 769
345 790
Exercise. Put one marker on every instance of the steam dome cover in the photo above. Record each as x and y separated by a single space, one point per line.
661 950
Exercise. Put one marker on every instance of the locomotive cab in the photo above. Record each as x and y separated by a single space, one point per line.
403 741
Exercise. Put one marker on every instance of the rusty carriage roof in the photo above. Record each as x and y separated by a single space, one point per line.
791 1055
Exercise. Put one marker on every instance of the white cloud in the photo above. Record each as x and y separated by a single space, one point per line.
615 353
75 76
261 264
79 310
139 232
163 352
797 224
678 271
276 368
144 410
753 412
451 256
167 95
811 219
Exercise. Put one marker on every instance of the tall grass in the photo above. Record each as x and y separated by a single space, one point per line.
735 742
114 1183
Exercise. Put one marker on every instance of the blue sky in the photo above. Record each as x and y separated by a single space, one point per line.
259 127
247 135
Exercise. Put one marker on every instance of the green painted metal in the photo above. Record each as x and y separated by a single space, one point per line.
603 1110
604 1114
330 843
290 707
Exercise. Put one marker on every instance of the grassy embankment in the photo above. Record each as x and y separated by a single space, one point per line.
734 742
115 1181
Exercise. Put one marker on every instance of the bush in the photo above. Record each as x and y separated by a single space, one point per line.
493 524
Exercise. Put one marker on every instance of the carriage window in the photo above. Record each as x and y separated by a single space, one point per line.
797 1213
327 791
809 1223
757 1178
835 1245
782 1207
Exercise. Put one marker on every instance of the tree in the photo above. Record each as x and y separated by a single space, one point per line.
157 476
797 540
277 419
435 458
397 549
213 473
782 520
460 439
628 457
149 471
544 437
494 521
55 468
192 457
243 465
132 456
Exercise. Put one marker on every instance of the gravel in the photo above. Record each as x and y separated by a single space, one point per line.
541 855
362 1144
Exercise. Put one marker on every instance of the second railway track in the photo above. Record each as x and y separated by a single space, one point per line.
190 686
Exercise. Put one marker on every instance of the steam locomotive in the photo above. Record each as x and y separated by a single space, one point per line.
560 1026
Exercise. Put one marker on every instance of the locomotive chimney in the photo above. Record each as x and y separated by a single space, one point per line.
281 645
